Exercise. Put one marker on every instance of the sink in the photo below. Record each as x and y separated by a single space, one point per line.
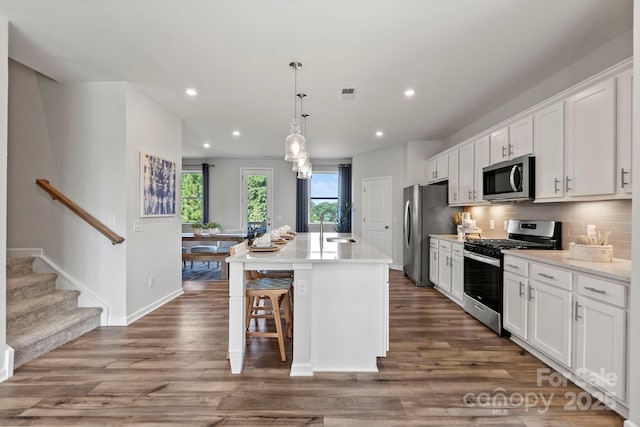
341 239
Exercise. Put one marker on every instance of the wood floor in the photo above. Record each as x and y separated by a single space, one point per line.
170 368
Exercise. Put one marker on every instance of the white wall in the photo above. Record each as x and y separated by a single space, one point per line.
5 355
634 301
611 53
226 190
416 154
154 252
73 135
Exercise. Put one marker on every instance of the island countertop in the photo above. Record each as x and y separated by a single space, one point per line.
306 248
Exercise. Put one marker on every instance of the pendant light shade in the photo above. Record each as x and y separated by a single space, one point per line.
305 171
295 143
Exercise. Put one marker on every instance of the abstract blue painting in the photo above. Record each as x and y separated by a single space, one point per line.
158 186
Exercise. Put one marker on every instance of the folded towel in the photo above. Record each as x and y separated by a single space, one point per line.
275 234
262 241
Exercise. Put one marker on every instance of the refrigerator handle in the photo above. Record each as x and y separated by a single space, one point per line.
407 225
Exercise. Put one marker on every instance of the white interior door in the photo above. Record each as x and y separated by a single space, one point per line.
257 198
376 212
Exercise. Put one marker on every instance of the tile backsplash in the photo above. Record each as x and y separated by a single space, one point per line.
606 215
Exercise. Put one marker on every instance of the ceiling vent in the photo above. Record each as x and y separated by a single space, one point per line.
347 93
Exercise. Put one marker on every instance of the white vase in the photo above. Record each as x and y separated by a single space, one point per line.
214 230
197 231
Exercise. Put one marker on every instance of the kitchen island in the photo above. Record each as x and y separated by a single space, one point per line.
341 303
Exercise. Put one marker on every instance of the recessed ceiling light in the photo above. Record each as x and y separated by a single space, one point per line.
206 145
409 92
191 91
236 133
379 133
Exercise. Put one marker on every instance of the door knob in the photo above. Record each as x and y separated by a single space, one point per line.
386 227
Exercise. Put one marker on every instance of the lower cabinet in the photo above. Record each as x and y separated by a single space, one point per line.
444 266
574 319
446 270
457 275
433 265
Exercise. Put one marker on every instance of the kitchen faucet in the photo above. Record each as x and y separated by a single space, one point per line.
335 217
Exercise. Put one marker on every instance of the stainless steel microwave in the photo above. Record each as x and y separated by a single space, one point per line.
512 180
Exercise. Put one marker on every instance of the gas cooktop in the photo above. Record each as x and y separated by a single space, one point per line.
509 244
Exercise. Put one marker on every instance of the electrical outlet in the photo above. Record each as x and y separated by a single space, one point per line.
506 224
492 224
152 281
138 225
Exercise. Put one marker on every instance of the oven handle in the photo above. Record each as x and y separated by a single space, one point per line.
481 258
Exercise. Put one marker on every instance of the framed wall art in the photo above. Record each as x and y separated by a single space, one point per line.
157 186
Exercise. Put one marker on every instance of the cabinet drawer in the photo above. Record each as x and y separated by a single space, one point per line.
550 275
433 243
457 249
444 246
602 290
516 265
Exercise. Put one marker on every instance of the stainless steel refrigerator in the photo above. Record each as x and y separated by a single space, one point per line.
426 211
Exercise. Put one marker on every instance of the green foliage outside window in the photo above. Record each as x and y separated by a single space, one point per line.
257 195
192 197
316 209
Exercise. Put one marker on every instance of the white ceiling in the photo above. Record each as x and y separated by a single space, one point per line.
463 57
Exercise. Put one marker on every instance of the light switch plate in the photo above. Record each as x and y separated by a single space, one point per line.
138 225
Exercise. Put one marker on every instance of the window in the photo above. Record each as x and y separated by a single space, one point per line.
192 197
324 195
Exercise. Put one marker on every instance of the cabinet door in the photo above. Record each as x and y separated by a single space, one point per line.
433 266
431 170
520 138
453 178
442 168
457 277
549 148
624 125
515 305
590 144
499 145
550 321
465 173
600 345
444 271
481 159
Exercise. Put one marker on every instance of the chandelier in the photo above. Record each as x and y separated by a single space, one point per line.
295 143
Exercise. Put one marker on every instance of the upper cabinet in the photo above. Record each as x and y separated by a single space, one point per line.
465 174
549 143
480 160
454 185
512 141
438 169
591 141
624 85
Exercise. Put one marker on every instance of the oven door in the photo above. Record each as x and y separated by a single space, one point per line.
483 279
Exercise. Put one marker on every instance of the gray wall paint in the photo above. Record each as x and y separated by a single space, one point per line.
4 55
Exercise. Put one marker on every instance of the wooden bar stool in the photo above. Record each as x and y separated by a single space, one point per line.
260 290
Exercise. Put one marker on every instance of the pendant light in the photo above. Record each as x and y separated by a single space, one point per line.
303 156
304 167
295 143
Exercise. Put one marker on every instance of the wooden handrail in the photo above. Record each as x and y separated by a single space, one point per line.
90 219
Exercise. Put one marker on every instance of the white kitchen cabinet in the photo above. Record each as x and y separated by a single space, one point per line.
444 266
481 160
591 141
521 137
550 320
437 169
515 304
454 189
457 272
499 143
466 176
549 151
624 86
433 265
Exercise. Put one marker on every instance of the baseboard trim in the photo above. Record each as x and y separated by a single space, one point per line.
395 267
628 423
7 369
148 309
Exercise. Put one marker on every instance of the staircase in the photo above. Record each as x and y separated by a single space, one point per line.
39 317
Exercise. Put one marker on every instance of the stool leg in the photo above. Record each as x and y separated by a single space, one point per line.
287 315
276 316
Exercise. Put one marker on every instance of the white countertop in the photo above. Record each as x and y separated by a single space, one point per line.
619 269
306 248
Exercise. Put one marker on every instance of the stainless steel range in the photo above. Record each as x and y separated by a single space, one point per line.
483 269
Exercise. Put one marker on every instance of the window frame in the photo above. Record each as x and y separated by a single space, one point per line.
309 207
202 198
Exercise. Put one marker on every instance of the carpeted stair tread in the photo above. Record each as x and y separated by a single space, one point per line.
27 280
39 302
31 334
19 265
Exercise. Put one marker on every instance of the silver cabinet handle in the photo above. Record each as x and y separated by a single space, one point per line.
474 195
513 266
478 307
455 196
510 152
531 298
470 195
504 152
556 181
521 292
622 174
566 184
548 276
598 291
576 315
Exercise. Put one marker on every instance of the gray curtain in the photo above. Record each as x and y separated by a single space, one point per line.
205 192
344 198
302 205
